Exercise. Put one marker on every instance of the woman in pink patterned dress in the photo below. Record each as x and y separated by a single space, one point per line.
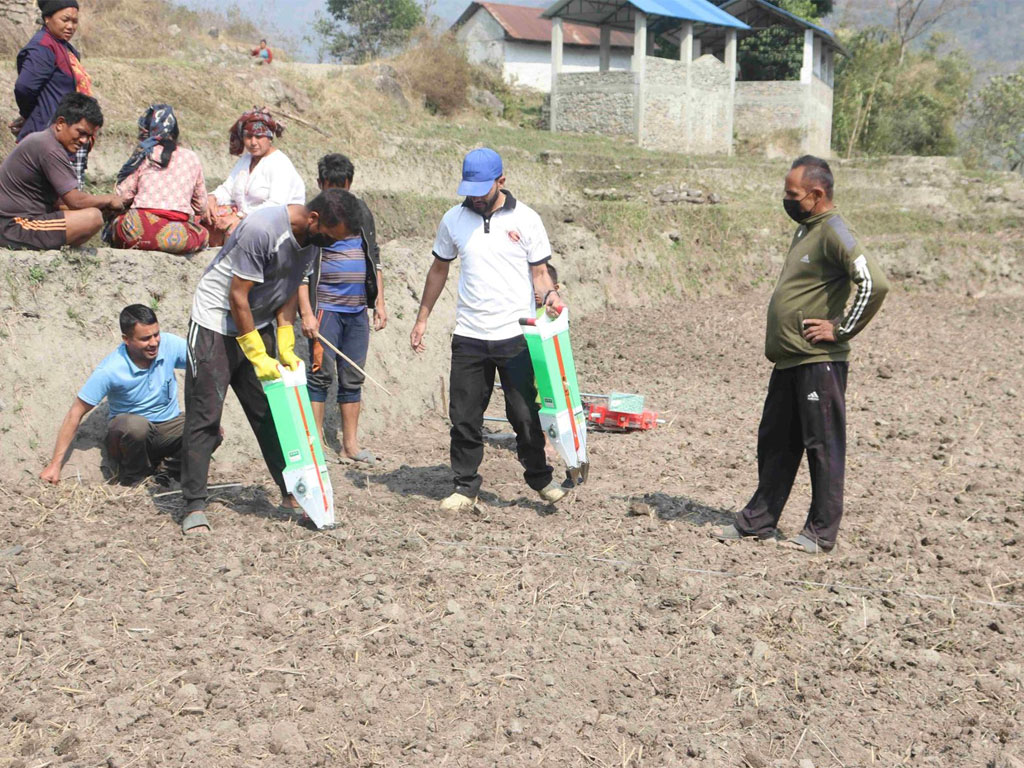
168 192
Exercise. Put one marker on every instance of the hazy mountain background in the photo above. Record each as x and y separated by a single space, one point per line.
988 30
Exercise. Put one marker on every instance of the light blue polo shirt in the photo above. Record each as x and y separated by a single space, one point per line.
148 392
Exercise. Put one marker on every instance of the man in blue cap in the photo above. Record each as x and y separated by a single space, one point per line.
504 250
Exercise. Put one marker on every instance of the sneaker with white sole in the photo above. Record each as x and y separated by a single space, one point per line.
552 492
458 502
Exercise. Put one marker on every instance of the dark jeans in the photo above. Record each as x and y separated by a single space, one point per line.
474 362
136 446
804 411
216 362
349 332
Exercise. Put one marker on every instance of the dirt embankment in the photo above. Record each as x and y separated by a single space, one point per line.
58 316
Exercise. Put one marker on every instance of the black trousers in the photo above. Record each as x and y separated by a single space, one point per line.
804 411
474 363
215 362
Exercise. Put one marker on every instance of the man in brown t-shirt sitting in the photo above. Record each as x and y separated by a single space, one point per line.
41 206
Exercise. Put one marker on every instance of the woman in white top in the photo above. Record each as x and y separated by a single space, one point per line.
263 175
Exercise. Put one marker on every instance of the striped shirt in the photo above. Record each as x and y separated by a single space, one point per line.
342 284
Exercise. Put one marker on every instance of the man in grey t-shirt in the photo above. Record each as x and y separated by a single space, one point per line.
252 282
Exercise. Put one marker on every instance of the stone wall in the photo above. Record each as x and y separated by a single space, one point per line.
18 22
594 102
687 111
783 117
683 111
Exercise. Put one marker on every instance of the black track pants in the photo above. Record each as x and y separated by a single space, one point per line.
804 411
216 362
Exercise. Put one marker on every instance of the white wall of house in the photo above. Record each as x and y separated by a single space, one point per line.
530 63
526 63
484 39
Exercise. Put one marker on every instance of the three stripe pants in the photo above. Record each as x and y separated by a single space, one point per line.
804 412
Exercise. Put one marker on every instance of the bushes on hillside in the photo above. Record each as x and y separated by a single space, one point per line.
437 68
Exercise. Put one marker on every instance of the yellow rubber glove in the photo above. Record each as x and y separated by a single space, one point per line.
286 347
254 348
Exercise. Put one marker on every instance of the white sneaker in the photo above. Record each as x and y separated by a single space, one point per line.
552 492
458 502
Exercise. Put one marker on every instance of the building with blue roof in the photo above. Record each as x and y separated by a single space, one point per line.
697 101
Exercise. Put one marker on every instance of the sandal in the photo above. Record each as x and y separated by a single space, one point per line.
732 533
805 544
194 520
365 456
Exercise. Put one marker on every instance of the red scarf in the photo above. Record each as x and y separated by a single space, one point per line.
67 61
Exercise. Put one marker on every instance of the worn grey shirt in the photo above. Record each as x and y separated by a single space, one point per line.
262 249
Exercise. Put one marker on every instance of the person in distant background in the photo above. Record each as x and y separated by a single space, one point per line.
41 206
137 379
165 183
263 177
49 68
263 54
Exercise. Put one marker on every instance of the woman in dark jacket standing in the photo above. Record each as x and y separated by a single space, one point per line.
49 68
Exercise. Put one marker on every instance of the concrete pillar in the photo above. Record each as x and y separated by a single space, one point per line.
557 40
730 52
606 48
730 63
807 70
686 56
556 68
686 42
639 66
639 41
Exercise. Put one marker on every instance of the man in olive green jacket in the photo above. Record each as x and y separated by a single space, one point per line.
808 338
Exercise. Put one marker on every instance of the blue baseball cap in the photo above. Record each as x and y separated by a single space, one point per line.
479 170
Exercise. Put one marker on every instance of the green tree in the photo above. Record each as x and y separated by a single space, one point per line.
776 53
997 115
894 101
357 30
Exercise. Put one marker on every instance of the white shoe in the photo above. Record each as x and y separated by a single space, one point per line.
552 492
458 502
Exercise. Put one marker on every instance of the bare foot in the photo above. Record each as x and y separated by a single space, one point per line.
289 502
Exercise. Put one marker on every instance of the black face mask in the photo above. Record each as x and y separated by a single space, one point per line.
319 239
794 211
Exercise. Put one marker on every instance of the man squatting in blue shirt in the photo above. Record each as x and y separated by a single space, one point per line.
137 379
345 281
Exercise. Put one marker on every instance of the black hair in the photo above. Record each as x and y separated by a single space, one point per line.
816 171
335 206
263 40
76 107
552 273
135 314
335 170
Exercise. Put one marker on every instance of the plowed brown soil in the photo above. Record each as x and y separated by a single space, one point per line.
608 631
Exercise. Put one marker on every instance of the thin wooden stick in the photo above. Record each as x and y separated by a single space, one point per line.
299 120
348 360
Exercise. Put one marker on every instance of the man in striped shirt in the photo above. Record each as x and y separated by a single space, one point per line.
346 281
808 338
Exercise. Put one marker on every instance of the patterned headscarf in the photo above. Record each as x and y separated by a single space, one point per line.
157 127
256 122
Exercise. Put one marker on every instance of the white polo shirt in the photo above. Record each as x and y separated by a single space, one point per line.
497 251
